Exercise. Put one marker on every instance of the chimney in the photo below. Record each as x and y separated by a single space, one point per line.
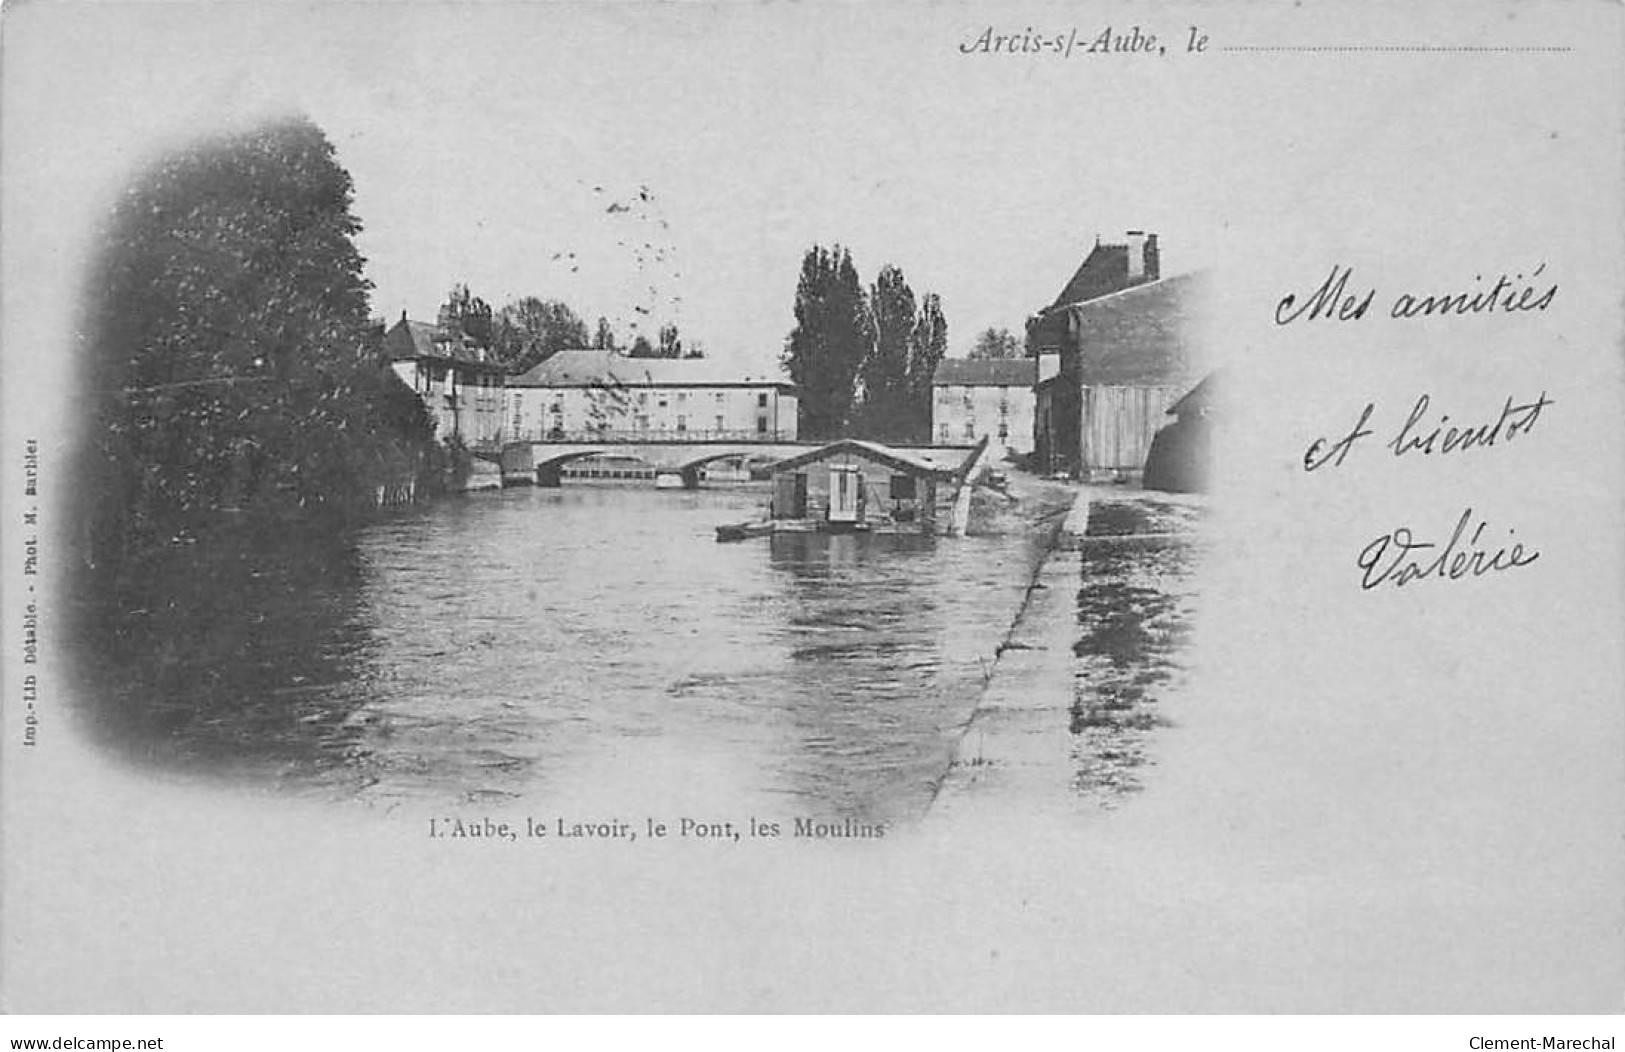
1136 256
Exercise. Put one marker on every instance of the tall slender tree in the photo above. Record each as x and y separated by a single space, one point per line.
928 344
825 351
885 371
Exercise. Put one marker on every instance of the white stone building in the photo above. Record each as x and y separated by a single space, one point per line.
460 388
590 395
991 398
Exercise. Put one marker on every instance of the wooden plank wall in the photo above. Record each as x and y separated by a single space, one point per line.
1118 425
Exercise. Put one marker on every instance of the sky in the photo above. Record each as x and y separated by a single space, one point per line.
672 163
498 144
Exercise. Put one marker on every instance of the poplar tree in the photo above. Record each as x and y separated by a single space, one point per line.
927 346
832 336
885 371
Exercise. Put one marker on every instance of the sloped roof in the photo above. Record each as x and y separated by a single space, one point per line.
939 462
987 372
1149 334
420 339
1104 271
594 368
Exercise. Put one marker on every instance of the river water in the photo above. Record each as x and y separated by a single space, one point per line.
536 645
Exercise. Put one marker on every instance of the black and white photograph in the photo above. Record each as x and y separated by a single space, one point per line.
821 508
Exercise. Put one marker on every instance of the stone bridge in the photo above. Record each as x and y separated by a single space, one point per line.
541 461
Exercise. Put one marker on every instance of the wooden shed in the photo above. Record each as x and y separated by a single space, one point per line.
1124 359
853 485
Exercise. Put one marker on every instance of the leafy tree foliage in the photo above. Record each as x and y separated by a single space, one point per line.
227 349
832 336
863 362
466 311
530 330
604 337
927 346
886 366
671 344
997 343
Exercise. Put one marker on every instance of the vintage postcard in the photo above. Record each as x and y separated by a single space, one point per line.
754 507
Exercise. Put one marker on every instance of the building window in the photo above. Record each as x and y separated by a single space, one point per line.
942 433
719 423
970 429
761 400
643 398
761 425
1004 430
662 403
682 396
682 422
902 487
719 396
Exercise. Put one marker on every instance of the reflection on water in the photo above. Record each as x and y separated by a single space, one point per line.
238 653
1135 611
516 645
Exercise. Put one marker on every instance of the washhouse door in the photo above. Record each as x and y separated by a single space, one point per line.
790 496
844 483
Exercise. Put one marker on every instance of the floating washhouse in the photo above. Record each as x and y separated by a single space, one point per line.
853 485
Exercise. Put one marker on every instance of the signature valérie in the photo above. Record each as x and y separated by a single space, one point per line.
1399 557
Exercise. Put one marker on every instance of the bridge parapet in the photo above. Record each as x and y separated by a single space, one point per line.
646 436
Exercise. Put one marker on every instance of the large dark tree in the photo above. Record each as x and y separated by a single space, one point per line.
885 367
529 331
603 338
831 338
228 353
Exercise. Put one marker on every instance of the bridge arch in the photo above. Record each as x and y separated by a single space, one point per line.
694 463
561 458
541 461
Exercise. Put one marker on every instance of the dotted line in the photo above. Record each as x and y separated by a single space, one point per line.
1396 47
